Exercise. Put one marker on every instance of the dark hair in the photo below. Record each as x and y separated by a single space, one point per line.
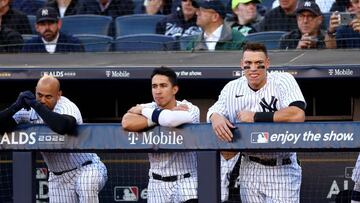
250 46
170 73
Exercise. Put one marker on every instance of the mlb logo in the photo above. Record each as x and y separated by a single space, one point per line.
260 137
41 173
126 193
237 73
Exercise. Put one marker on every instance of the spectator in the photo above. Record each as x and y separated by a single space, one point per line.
14 19
216 35
341 6
159 7
308 35
246 16
65 7
10 40
324 5
113 8
281 18
50 39
344 36
181 23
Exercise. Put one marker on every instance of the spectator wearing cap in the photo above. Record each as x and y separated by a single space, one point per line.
216 35
324 5
246 16
50 39
14 19
10 40
281 18
344 35
309 34
182 23
156 7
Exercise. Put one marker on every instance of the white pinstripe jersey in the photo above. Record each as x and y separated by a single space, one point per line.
175 163
57 162
280 90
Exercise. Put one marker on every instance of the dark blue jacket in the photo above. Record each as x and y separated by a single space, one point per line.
64 44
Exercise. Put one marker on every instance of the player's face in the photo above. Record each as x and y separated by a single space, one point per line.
163 91
255 65
308 22
47 95
48 29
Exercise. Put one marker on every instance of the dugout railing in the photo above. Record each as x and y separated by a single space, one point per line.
308 136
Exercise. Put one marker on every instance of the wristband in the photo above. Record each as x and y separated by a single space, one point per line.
264 117
155 115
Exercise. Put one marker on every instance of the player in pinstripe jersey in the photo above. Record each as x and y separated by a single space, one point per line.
173 175
355 196
73 177
261 96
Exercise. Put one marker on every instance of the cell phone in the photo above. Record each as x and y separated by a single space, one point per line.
346 18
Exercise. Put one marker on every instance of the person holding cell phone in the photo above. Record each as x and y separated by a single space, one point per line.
344 28
308 35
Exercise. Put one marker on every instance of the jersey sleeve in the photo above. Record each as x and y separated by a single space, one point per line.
289 89
193 110
67 107
220 105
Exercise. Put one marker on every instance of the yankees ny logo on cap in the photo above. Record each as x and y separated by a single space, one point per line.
44 12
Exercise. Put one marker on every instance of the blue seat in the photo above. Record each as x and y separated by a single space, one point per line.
184 41
32 21
145 42
136 24
27 37
86 24
95 43
270 38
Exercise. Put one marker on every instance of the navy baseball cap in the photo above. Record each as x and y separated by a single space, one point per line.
215 5
309 6
47 14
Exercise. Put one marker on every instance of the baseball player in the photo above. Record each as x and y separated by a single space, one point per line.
173 176
73 177
355 196
261 97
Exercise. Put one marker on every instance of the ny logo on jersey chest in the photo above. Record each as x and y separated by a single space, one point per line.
269 107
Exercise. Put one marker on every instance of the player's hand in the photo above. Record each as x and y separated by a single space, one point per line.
221 127
20 101
334 21
181 107
29 98
136 109
355 24
246 116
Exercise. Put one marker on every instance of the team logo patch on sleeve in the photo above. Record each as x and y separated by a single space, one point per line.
260 137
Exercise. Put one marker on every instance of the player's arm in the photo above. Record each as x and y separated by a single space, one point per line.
166 117
134 122
294 113
7 122
59 123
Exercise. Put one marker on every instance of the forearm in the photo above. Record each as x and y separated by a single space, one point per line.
330 41
134 122
169 118
59 123
289 114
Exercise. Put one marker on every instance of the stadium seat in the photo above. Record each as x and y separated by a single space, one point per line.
184 41
136 24
145 42
86 24
270 38
95 43
32 21
27 37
